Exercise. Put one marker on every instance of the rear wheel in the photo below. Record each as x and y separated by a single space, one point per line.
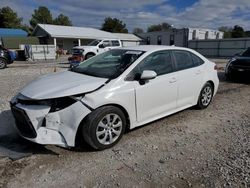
206 96
3 63
104 127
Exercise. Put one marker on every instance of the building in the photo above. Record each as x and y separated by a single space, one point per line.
128 39
66 37
179 37
5 32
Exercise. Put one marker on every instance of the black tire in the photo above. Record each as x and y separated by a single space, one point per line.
3 63
89 55
229 77
94 123
206 96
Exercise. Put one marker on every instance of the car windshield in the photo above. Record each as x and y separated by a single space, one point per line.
246 53
94 43
110 64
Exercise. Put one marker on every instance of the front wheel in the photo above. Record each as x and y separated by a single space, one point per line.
206 96
3 63
229 76
104 127
89 55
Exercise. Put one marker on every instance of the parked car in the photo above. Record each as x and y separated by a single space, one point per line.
239 65
120 89
99 46
95 47
76 58
6 57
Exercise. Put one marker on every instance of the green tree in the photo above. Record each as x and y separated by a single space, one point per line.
159 27
114 25
247 33
62 20
238 32
41 15
9 18
138 30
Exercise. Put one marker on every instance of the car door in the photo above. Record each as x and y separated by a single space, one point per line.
106 46
190 77
158 96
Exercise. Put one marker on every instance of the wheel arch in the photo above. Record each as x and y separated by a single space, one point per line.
90 53
209 81
6 59
78 133
212 83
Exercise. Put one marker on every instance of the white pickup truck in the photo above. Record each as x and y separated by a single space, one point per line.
97 47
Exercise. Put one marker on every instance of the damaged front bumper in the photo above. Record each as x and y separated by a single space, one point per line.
38 124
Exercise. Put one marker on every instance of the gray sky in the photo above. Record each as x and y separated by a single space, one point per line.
142 13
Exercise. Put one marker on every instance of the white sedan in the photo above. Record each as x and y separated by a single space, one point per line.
120 89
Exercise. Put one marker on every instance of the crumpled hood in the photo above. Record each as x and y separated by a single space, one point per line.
61 84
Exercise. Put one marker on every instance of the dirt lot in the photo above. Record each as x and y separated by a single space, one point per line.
208 148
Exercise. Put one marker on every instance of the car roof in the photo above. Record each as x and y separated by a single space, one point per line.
149 48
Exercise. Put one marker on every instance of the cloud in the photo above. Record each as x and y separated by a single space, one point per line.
138 13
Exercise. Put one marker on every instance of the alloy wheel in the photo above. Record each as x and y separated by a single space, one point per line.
206 96
109 129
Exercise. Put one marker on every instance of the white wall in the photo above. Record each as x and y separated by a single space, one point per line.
130 43
202 34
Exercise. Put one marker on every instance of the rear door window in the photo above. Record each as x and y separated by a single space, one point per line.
196 60
115 43
106 43
183 59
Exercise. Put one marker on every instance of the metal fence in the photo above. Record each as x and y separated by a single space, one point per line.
219 47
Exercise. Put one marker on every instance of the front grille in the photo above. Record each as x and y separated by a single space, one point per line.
23 123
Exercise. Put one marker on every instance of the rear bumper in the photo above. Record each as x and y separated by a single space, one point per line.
216 82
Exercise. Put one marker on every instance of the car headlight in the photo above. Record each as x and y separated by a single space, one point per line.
60 103
56 104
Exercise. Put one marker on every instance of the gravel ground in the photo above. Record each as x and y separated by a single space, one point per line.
192 148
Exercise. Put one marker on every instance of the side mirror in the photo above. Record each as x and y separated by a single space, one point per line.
101 46
148 75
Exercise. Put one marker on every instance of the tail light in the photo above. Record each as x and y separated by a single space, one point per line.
216 67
